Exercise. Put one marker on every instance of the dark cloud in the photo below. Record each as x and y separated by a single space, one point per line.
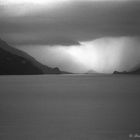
77 21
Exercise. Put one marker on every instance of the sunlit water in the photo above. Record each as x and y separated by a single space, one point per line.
70 107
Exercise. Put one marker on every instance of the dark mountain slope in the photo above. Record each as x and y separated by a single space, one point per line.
15 62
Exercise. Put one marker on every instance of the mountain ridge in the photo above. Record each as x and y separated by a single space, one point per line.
14 61
134 71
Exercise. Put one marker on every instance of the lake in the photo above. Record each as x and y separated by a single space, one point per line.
70 107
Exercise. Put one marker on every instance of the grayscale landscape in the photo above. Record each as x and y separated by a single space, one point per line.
70 107
69 69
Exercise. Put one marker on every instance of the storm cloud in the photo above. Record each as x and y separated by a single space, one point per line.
77 20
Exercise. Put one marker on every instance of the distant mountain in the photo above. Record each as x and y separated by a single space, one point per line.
91 72
134 71
16 62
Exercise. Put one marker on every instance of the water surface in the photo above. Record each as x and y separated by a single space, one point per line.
69 107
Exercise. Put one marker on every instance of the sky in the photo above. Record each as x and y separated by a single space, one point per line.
75 35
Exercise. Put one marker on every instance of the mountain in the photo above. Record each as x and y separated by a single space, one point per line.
91 72
134 71
16 62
